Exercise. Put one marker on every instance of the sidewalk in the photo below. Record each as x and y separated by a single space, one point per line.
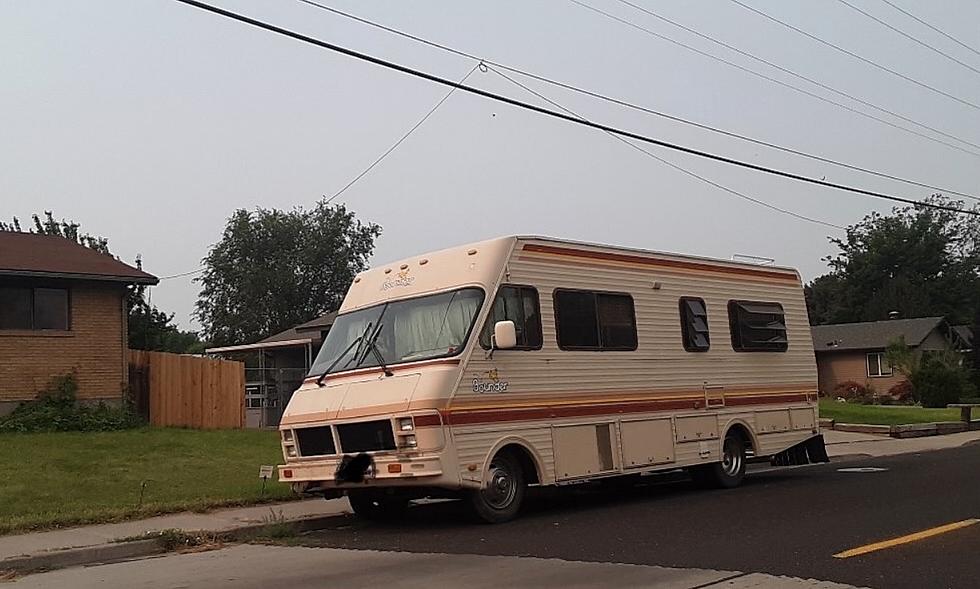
99 542
849 444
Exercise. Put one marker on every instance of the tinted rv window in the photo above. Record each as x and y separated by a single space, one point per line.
588 320
757 327
520 305
694 324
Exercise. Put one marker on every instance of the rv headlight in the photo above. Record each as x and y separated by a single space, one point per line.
410 441
287 435
406 424
291 451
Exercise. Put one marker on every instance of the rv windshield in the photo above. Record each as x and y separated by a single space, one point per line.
426 327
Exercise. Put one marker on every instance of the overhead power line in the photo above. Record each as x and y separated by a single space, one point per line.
840 49
908 36
562 116
650 111
938 30
182 274
402 138
772 65
668 163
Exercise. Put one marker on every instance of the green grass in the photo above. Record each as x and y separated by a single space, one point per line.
61 479
883 415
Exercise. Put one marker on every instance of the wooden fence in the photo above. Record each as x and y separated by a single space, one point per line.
187 391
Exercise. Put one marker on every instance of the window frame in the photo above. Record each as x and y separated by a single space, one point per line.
537 304
685 324
733 327
596 294
881 364
32 289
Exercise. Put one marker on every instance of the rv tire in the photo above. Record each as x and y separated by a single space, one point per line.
501 499
729 472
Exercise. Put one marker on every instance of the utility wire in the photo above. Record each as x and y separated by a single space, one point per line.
938 30
562 116
908 36
403 137
668 163
672 117
182 274
782 69
858 57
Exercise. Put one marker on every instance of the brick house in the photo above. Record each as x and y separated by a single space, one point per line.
62 309
856 351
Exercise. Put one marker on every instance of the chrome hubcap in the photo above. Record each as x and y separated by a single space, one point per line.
501 488
731 461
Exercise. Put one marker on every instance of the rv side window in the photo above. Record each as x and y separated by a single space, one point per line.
757 327
520 305
694 324
588 320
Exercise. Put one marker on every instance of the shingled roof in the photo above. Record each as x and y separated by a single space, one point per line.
872 334
51 256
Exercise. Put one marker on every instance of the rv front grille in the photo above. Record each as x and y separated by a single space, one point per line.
315 441
367 436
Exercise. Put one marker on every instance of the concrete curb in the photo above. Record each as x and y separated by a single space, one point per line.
125 550
910 430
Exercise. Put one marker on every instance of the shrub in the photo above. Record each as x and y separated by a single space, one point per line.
937 383
856 392
902 392
57 410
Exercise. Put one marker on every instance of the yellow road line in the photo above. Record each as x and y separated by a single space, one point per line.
906 539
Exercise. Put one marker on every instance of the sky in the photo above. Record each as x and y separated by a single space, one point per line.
149 122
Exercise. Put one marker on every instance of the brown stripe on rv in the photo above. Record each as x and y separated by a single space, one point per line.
531 413
659 262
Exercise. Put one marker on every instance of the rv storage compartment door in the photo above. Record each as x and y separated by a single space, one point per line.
646 442
583 450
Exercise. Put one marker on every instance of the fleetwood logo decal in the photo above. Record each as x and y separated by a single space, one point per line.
492 384
400 279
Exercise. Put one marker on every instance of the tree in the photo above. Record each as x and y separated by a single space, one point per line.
149 327
273 269
918 261
938 377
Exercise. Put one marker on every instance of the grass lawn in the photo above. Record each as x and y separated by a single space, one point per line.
883 415
61 479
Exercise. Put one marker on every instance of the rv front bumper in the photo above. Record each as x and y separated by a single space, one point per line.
383 470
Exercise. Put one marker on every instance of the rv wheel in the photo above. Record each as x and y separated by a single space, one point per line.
730 471
377 506
501 499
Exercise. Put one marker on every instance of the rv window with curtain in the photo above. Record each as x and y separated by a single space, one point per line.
588 320
757 326
694 324
520 305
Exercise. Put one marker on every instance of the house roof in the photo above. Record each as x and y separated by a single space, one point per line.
299 335
319 324
30 254
965 333
872 334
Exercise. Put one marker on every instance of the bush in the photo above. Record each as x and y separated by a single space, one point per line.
855 392
937 384
902 392
57 410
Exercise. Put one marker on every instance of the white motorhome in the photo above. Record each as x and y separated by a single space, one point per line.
485 368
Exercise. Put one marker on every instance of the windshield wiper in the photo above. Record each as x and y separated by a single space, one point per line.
357 341
372 347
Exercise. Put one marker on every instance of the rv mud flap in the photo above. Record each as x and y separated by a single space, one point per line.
808 452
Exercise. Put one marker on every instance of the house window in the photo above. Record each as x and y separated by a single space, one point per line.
33 308
878 365
694 324
757 327
588 320
520 305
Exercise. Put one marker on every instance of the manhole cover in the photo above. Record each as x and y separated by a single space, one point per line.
863 469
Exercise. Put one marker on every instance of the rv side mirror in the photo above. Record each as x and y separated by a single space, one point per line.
504 335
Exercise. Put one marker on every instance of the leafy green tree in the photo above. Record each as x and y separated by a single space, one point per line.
273 269
149 327
918 261
938 377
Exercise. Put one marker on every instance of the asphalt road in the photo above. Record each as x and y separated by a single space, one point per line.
783 522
